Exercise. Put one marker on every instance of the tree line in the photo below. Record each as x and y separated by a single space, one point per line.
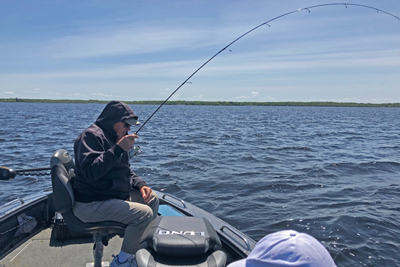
206 103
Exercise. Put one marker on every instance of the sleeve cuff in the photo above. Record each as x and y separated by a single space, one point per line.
118 151
140 184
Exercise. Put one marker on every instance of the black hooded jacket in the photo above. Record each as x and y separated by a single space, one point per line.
102 167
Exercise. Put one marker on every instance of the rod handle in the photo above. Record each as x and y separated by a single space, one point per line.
7 173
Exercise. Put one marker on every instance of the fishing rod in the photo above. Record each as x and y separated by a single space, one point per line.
8 174
262 24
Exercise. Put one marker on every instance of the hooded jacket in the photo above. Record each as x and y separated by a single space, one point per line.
102 167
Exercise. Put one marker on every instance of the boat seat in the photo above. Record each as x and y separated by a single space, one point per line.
180 241
62 170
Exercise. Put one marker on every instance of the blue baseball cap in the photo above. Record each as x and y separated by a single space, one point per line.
287 248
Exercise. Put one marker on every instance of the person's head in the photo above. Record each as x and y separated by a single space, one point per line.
116 119
287 248
123 127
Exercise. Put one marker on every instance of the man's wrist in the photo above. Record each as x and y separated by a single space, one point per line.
139 185
118 150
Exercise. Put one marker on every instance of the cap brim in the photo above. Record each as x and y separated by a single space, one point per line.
132 122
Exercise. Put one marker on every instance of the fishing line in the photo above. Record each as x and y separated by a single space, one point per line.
262 24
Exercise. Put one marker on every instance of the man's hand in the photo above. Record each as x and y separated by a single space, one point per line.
127 141
146 193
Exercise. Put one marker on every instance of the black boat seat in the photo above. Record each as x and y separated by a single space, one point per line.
180 241
62 170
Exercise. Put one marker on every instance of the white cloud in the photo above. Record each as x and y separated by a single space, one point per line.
265 61
384 100
255 94
247 63
303 56
165 93
164 69
99 94
133 40
68 95
175 97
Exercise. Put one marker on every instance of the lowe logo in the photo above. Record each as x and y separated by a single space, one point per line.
166 232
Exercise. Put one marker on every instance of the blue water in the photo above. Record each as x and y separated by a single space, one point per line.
330 172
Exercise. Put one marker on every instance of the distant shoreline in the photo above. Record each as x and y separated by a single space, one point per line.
205 103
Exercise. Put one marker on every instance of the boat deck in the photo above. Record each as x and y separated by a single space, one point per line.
45 251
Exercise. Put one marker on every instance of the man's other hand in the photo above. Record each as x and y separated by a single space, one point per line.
146 193
127 141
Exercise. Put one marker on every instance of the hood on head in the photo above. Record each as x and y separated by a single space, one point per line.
114 112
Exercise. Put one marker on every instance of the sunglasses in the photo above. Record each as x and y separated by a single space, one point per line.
127 125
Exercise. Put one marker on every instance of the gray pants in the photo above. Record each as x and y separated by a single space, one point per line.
133 212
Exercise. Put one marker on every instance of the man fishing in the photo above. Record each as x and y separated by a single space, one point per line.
105 188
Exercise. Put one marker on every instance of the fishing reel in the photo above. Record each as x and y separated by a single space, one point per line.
134 151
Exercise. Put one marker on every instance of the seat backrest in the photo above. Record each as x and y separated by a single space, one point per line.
62 157
180 236
62 170
170 241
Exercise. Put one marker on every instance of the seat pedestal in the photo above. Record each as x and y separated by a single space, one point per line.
98 249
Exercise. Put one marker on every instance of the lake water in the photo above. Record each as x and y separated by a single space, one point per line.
330 172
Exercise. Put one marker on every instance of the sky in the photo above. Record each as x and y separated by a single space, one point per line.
143 50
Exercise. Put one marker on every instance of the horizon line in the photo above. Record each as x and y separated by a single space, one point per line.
191 102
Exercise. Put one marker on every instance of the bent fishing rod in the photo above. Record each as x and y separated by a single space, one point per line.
253 29
7 173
